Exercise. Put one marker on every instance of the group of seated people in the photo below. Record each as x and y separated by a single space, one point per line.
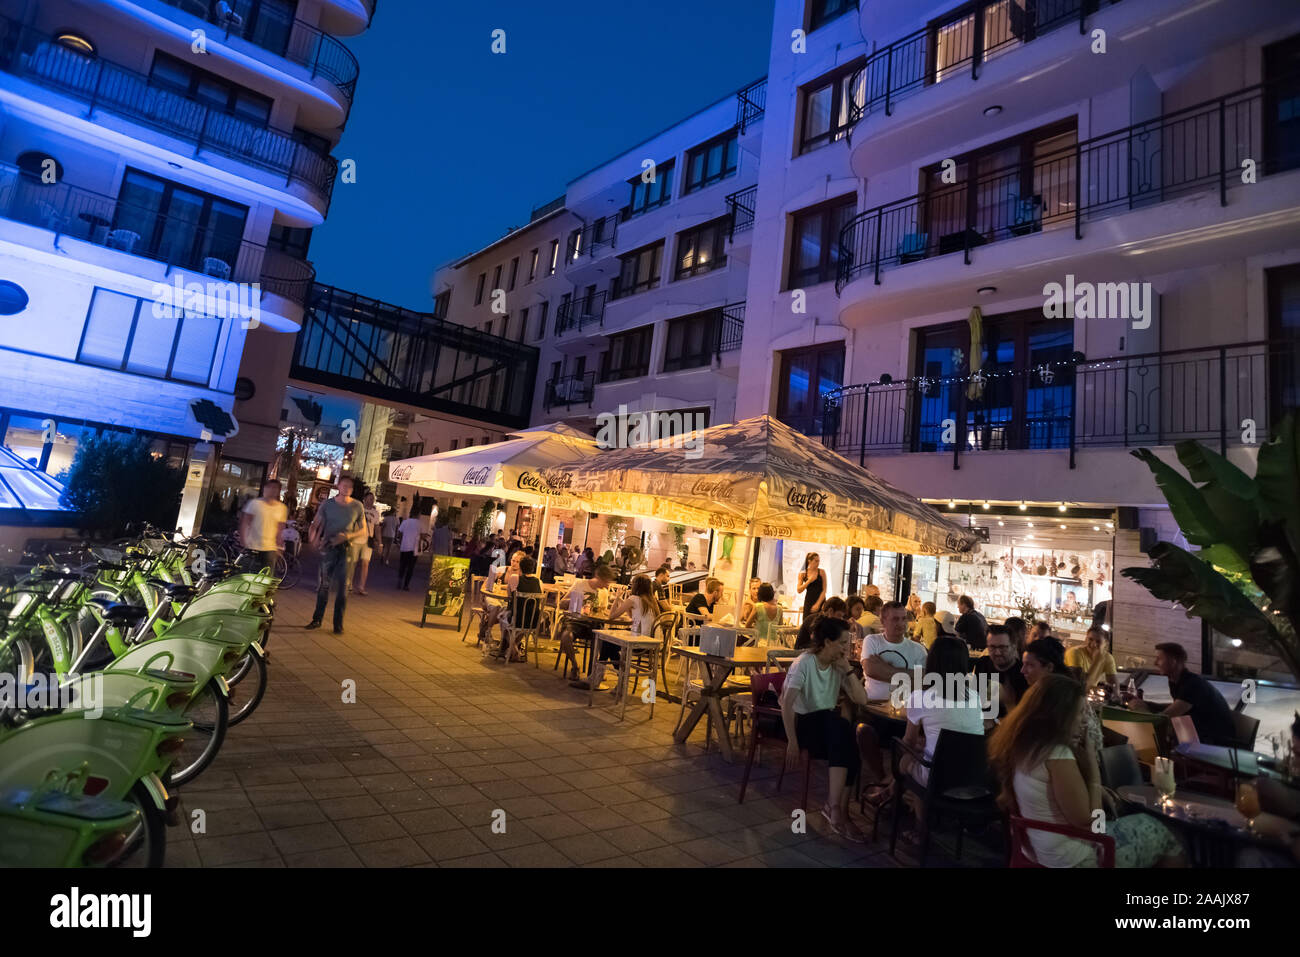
1044 741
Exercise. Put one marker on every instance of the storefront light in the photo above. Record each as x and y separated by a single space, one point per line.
1061 507
952 503
986 505
1023 506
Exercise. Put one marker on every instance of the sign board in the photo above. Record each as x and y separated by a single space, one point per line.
447 589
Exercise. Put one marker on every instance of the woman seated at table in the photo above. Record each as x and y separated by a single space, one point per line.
765 616
1045 777
1047 656
642 608
584 588
514 572
751 599
525 608
809 710
928 713
1093 658
856 608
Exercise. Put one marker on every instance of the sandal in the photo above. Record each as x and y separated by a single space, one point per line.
878 795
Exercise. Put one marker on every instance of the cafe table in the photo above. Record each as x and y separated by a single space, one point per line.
1213 827
1237 761
717 669
629 646
592 623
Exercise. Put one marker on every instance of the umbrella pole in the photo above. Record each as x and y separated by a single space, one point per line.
541 534
742 589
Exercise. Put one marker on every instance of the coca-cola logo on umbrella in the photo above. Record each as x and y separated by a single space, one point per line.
399 473
812 502
545 484
477 476
719 490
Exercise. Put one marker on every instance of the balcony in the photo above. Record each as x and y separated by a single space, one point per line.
728 327
579 314
1119 402
69 211
742 204
569 391
1196 149
982 32
751 104
106 86
591 238
319 53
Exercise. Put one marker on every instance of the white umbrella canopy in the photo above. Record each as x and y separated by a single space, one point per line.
760 477
515 469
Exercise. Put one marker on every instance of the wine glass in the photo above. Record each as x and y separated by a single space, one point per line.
1162 777
1248 802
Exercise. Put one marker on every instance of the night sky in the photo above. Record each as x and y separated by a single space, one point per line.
454 144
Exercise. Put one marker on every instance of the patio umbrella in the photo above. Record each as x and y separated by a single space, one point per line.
760 478
515 469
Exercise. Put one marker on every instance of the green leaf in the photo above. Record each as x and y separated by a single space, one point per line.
1190 508
1277 477
1205 465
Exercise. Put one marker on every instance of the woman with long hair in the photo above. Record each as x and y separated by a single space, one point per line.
1093 658
1046 778
812 582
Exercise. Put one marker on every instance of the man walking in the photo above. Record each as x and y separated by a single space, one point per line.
338 530
408 534
261 523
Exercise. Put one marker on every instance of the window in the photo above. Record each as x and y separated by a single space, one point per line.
469 442
692 340
532 265
478 292
179 225
148 338
712 162
826 108
217 92
564 315
486 441
514 274
555 257
1016 408
652 195
496 280
441 303
815 242
575 244
555 371
822 12
701 249
628 355
542 310
638 271
523 323
455 444
805 375
414 450
1282 286
291 240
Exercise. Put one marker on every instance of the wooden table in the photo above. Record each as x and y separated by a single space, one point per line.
628 645
717 669
592 623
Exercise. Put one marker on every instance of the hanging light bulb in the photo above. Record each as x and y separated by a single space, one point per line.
986 505
952 503
1061 507
1023 506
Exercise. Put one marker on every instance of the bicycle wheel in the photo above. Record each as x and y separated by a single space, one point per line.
247 690
210 713
146 845
288 571
16 659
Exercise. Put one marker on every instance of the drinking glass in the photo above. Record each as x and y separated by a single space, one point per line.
1248 802
1162 777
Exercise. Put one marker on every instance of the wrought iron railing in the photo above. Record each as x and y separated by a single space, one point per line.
83 214
742 204
731 329
1200 147
975 34
592 237
578 314
1224 395
569 390
266 27
751 104
107 86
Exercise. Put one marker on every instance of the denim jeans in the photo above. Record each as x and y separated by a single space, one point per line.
334 569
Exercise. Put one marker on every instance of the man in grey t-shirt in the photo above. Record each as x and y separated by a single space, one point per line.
338 530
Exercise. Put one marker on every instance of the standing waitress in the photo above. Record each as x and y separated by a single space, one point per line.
812 582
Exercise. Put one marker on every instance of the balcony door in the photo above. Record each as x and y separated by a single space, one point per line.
1026 396
178 225
1283 286
806 375
1282 105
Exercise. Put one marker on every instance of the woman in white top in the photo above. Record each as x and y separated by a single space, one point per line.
1045 779
946 701
810 712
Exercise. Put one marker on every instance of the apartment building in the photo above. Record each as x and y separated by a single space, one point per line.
162 165
1027 237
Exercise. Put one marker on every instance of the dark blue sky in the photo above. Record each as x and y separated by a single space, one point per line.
455 144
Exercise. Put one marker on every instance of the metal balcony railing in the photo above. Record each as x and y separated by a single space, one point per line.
972 36
1200 147
106 86
731 329
751 104
578 314
569 391
298 42
1154 399
742 204
103 220
592 237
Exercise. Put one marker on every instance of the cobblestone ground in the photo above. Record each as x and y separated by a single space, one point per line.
440 739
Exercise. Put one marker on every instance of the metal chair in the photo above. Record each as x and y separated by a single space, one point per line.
522 622
476 607
1120 767
123 239
1245 729
960 783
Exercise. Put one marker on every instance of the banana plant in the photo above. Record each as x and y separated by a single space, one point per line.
1244 578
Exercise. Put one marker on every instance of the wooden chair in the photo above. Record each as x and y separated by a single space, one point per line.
960 783
476 609
1021 851
666 629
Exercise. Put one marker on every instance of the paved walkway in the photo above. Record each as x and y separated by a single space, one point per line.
439 741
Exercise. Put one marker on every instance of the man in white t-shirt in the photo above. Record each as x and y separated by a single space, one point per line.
408 536
885 655
261 523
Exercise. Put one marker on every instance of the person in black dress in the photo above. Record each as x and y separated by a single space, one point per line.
812 582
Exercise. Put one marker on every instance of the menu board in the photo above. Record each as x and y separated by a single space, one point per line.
447 589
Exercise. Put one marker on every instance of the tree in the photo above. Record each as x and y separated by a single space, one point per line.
116 480
1244 578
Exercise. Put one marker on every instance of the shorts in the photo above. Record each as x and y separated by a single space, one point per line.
364 553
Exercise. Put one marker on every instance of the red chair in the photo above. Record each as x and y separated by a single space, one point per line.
1020 841
768 725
